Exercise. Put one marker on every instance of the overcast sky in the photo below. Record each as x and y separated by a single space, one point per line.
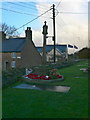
71 21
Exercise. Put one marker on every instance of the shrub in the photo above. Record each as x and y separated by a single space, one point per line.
11 76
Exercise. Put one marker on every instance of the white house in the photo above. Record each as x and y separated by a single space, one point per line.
60 51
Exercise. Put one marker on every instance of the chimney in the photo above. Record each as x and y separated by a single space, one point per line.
28 33
2 35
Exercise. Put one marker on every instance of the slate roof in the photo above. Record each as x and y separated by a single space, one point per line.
17 44
61 48
13 44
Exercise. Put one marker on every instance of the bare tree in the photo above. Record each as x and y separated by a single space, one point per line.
9 30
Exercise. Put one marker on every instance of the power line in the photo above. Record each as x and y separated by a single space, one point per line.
29 14
63 21
34 19
72 13
61 25
21 5
33 6
17 12
15 8
59 3
42 6
27 4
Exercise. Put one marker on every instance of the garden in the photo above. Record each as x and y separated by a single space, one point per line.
28 103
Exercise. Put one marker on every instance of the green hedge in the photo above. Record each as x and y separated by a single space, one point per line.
11 76
44 69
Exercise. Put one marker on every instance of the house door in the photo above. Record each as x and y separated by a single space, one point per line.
6 65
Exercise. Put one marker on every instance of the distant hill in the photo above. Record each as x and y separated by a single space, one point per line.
84 53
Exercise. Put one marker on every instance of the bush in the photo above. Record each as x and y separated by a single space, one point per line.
45 69
11 76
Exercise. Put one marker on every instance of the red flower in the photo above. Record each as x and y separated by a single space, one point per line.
44 77
33 76
59 76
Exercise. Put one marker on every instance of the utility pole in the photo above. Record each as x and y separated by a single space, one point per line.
54 37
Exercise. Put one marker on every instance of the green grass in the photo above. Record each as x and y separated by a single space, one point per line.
24 103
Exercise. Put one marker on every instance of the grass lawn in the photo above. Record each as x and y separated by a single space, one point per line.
27 103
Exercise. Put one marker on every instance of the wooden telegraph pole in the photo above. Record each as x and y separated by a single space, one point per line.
54 37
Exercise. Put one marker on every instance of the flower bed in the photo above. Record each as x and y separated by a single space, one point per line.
44 77
52 77
29 80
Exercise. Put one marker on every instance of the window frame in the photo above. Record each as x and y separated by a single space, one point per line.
13 64
13 55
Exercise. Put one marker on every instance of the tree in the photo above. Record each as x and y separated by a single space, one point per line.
10 31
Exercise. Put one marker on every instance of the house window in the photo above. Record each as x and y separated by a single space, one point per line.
18 57
13 55
13 64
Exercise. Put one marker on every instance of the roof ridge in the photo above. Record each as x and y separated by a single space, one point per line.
16 38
